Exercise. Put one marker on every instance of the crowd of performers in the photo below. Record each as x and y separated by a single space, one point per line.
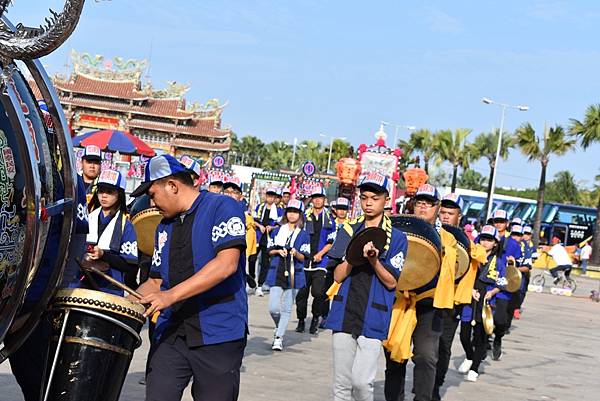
211 252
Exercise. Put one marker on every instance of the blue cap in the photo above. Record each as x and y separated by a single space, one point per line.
92 152
271 190
500 215
374 181
490 231
112 178
428 191
342 203
527 230
318 191
191 164
516 220
295 204
453 200
516 229
157 168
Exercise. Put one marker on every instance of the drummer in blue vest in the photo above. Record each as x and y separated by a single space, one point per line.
320 225
197 283
112 241
511 250
516 233
266 215
90 169
361 309
525 268
289 245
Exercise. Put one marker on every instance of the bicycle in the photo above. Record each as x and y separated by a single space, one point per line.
564 281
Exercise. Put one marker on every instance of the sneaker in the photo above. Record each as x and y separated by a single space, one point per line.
555 281
314 325
277 344
250 290
517 314
472 376
142 381
465 366
300 328
497 351
259 292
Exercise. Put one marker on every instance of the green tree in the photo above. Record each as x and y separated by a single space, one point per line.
421 141
471 179
562 189
252 151
588 133
278 155
553 142
485 146
452 147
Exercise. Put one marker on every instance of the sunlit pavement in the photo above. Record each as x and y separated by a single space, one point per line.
553 353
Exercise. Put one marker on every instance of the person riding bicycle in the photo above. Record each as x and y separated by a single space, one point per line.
561 257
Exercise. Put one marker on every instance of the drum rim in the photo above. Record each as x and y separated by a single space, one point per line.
153 211
100 301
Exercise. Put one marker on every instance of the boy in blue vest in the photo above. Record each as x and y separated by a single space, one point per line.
361 309
197 282
320 226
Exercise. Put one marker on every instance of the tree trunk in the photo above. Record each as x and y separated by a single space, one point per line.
426 159
537 224
454 177
489 189
596 239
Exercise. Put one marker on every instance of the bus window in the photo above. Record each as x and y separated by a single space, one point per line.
548 213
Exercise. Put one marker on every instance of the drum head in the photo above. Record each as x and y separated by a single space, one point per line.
145 223
423 258
463 257
354 252
513 276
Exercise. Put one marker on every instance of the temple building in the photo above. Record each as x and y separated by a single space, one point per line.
110 94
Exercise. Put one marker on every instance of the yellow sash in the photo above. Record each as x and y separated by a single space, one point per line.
464 289
444 290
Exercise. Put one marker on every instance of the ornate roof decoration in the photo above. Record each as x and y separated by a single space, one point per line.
117 69
173 90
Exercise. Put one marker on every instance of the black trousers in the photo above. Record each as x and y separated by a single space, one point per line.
27 363
426 339
474 340
215 368
501 319
264 266
326 303
315 284
450 323
513 304
523 292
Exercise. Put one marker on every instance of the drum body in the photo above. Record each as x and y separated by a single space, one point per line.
424 255
93 338
463 250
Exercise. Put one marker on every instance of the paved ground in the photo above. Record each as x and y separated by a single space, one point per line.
553 353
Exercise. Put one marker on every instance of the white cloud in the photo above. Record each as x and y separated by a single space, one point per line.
440 21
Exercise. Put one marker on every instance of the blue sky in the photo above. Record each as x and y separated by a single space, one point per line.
300 68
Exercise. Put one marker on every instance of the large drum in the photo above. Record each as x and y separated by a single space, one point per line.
424 256
463 250
93 338
145 219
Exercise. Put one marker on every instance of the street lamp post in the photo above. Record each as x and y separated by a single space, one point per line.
302 145
397 127
331 139
503 106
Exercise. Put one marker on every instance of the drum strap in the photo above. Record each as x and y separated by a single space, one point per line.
444 290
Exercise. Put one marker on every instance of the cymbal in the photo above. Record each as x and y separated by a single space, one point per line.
354 252
487 318
514 277
145 223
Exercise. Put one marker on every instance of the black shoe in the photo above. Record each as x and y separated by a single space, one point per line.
300 328
497 351
314 325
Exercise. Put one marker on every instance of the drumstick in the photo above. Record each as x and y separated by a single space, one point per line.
473 322
110 279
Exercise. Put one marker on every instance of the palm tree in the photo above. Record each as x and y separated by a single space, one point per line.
588 132
252 150
471 179
453 148
278 155
421 141
486 145
554 142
